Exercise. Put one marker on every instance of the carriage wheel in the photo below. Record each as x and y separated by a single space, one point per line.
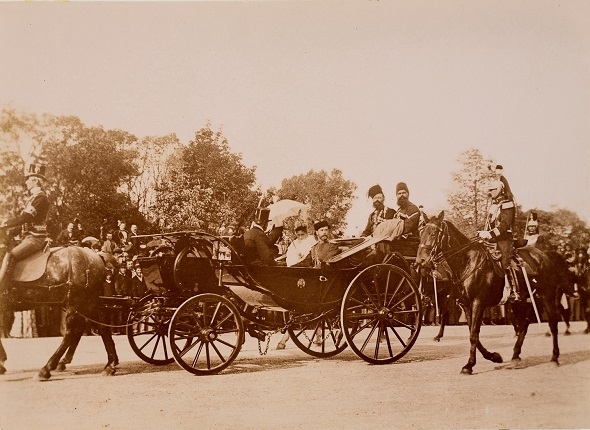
147 331
381 314
206 334
319 337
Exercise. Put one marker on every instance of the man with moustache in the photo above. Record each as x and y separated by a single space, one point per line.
380 213
407 211
323 250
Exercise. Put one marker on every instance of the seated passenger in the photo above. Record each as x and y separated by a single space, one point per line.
380 213
323 250
258 248
407 211
300 247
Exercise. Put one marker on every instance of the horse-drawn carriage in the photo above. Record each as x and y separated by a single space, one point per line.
364 298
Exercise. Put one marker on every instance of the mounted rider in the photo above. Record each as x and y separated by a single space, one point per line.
32 220
499 227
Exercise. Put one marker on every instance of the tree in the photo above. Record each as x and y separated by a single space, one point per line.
329 195
468 199
152 153
88 167
19 133
205 186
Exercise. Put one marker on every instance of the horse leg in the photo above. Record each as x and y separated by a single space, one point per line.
521 325
566 313
74 325
76 337
444 320
584 302
553 320
109 345
3 358
474 317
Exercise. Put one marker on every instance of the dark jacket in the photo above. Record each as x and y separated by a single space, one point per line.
258 247
376 217
411 217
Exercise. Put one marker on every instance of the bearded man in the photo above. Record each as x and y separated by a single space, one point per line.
407 211
380 212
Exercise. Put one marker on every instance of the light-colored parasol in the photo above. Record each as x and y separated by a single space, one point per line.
283 209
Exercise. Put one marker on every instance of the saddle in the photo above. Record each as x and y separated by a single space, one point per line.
32 267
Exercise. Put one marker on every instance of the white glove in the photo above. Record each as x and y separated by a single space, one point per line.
484 234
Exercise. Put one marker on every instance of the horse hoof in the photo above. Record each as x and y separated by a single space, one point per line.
567 333
109 371
44 375
587 330
548 334
497 358
2 370
61 367
466 371
437 339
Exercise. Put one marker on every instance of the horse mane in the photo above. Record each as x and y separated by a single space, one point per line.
455 234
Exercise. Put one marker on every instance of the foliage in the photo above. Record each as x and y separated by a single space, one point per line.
329 195
205 186
152 154
560 226
468 199
88 166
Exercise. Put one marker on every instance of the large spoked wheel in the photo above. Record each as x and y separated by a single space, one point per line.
381 314
206 334
318 335
147 331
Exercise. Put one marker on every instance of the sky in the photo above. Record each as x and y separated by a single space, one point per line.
385 91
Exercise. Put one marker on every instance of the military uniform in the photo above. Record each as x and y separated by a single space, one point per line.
33 220
378 215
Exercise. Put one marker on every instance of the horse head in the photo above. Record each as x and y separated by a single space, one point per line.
430 242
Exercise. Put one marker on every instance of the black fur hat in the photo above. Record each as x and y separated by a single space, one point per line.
374 190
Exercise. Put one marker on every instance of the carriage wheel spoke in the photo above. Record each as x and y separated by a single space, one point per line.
215 313
397 335
217 352
366 342
394 294
197 355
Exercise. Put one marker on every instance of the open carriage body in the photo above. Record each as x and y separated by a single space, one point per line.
364 298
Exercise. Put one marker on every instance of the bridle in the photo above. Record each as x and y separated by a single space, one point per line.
439 253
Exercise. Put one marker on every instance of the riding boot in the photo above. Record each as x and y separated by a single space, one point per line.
5 270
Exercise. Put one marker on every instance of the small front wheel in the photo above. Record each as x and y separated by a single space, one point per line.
147 331
206 334
381 314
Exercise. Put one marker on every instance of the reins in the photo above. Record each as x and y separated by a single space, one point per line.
440 256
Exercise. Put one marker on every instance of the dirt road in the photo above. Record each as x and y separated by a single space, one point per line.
290 390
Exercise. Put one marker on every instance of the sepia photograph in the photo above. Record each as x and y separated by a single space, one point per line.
275 214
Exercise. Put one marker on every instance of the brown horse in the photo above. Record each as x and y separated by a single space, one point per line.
72 277
479 283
